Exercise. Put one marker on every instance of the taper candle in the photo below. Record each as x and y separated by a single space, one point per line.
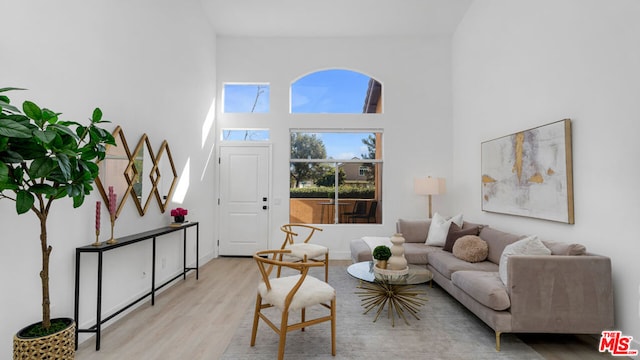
98 205
98 216
112 201
112 211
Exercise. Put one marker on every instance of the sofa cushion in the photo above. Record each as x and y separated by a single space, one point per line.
418 253
360 251
469 225
413 231
455 232
446 264
484 286
497 240
528 246
471 248
560 248
439 229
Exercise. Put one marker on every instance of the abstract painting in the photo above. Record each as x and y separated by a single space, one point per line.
529 173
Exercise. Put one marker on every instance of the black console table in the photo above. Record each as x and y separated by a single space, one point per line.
124 241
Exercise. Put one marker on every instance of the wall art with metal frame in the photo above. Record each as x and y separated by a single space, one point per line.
529 173
141 173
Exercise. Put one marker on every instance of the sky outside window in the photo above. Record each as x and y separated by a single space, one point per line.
344 146
329 91
246 98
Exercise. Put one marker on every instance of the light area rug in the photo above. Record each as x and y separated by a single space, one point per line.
446 330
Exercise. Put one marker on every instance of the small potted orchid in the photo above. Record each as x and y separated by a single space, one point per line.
179 214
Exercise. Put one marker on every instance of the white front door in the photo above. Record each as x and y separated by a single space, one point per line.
244 199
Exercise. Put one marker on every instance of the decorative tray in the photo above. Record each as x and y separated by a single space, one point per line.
389 272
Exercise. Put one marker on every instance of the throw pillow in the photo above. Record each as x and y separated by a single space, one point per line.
560 248
455 233
457 220
413 231
528 246
439 229
471 248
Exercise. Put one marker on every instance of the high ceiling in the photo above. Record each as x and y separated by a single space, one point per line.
330 18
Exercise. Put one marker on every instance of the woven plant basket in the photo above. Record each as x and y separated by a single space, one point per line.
60 345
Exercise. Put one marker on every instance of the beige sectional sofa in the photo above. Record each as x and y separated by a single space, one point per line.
569 291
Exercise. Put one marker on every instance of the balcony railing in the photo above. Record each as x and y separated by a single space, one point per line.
322 210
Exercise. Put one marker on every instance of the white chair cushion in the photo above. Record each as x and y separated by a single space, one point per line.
312 251
311 292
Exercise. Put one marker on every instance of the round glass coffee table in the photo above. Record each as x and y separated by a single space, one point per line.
397 292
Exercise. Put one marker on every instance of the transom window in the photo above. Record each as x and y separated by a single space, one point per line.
246 98
245 135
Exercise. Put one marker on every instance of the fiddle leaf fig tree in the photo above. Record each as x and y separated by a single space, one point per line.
44 158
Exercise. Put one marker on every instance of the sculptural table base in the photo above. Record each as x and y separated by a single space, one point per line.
400 299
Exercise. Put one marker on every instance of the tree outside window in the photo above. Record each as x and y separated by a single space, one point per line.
326 179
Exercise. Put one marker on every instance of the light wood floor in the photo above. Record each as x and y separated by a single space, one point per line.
175 327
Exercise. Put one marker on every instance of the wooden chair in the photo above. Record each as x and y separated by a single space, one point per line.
291 293
299 250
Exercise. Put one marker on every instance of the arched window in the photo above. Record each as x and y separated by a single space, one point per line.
336 91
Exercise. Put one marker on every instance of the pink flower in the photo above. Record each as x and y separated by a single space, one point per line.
179 212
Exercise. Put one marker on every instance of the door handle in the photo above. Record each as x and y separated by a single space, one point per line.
264 207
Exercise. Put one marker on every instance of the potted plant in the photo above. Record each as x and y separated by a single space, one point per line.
179 214
381 253
43 159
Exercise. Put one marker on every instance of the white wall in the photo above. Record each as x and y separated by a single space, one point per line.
415 75
150 66
520 64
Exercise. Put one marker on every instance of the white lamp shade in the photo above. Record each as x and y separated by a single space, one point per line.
429 186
